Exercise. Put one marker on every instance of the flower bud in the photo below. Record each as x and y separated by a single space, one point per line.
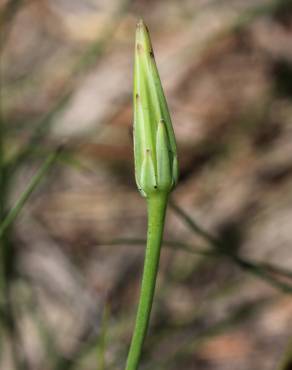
156 166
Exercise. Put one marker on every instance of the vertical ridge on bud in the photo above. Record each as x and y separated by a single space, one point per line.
148 178
164 170
153 130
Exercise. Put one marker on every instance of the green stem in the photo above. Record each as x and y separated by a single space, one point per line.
156 216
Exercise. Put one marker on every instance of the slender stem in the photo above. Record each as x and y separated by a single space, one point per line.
156 215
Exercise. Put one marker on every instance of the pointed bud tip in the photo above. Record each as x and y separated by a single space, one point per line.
140 23
141 26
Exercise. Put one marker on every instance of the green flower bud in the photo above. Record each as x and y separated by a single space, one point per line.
156 166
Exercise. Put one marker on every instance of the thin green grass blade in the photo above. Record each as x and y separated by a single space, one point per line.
14 212
102 343
41 131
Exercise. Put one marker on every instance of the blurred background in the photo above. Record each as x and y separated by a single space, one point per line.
71 261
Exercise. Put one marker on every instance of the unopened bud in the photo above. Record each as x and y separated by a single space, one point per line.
156 166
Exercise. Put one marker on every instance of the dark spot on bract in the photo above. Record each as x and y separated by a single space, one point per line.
151 53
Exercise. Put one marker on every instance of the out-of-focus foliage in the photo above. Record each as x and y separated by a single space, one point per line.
72 259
